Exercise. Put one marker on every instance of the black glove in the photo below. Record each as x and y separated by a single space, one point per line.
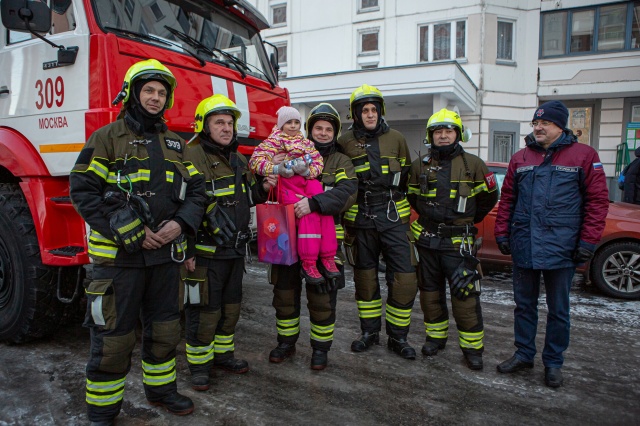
582 255
505 248
142 208
325 287
462 280
127 228
218 224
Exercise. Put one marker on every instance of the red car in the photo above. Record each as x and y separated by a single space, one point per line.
615 267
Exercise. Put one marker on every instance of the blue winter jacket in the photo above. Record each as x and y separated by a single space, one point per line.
553 201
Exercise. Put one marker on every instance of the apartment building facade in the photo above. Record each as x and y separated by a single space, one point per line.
493 61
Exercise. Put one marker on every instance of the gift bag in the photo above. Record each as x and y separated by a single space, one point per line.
277 236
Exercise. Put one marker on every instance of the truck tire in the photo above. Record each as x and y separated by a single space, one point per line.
29 307
616 270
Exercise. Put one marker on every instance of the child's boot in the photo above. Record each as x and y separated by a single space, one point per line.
310 273
328 268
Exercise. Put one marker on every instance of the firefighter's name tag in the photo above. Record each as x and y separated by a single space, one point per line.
173 144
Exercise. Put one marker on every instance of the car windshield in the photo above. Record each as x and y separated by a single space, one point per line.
200 28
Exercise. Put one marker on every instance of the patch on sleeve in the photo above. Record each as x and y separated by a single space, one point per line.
490 179
85 156
173 144
597 166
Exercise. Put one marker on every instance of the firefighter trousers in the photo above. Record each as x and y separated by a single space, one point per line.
210 326
396 247
435 267
117 298
287 292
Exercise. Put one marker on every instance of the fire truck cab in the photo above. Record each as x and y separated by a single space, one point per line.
62 63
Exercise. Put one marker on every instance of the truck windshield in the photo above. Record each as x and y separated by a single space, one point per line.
201 28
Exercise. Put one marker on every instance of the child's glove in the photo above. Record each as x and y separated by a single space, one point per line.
301 167
280 169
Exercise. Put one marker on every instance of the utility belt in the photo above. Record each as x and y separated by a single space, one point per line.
238 239
369 198
441 230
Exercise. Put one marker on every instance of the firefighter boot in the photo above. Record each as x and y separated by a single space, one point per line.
431 347
473 360
232 365
328 269
365 341
310 273
200 381
282 352
318 359
401 347
175 403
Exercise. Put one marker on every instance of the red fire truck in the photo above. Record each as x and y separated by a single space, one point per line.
62 62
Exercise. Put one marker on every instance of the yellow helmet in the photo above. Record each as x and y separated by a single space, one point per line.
324 111
151 69
446 119
365 93
216 104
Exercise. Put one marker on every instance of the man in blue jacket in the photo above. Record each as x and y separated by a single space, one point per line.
551 216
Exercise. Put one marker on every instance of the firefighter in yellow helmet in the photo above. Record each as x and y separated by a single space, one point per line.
379 223
451 190
340 185
136 188
212 282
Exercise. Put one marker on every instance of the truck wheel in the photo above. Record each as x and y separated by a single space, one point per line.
29 307
616 270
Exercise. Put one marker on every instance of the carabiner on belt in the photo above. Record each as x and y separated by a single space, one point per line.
178 245
391 204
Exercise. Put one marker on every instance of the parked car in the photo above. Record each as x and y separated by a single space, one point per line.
615 267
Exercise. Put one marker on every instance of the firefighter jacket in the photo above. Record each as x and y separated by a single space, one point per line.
152 165
340 186
232 185
381 160
449 190
553 201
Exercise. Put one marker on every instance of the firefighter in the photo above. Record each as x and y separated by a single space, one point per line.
135 187
213 278
340 186
379 223
451 190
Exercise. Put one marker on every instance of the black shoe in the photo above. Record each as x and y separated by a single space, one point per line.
103 423
513 364
431 347
474 360
175 403
365 341
200 382
282 352
401 347
552 377
232 365
318 359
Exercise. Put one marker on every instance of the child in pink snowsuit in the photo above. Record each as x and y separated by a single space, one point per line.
299 172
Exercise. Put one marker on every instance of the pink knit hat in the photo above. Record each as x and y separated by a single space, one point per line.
287 113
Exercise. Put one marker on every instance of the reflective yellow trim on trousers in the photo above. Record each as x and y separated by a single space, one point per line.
104 393
159 374
471 340
322 333
438 330
288 327
372 309
397 316
223 344
199 354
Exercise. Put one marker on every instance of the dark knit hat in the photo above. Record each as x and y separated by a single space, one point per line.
553 111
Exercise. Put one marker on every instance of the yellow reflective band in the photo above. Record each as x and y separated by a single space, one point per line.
414 190
362 168
170 176
98 168
399 317
223 344
362 304
104 393
206 249
288 322
341 175
159 374
199 354
191 169
471 340
322 333
438 330
385 169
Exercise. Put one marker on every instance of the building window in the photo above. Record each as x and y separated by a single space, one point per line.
156 11
505 41
591 30
635 113
436 42
129 6
281 50
279 15
368 6
503 146
369 42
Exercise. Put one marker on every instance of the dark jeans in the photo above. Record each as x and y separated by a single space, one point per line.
526 290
